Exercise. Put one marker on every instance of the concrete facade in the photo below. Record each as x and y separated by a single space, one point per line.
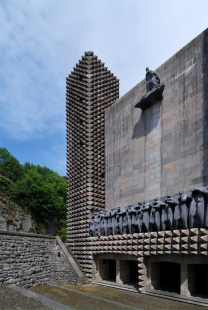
90 88
163 149
187 248
152 153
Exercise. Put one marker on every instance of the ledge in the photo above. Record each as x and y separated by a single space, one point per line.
23 234
150 98
199 301
80 277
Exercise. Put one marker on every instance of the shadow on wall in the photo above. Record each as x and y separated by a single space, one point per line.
148 121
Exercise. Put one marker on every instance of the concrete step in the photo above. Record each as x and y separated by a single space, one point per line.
126 287
195 300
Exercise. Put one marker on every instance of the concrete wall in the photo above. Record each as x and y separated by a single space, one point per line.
187 277
180 246
163 149
101 267
29 259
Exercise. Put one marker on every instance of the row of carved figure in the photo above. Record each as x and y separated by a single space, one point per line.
181 211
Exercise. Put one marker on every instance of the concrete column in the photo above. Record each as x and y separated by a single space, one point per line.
125 271
97 270
191 279
184 291
154 271
118 272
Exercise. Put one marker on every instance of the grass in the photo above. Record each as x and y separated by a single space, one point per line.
80 302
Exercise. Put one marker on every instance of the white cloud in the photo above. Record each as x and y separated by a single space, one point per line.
42 40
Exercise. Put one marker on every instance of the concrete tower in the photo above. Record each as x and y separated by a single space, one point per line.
90 89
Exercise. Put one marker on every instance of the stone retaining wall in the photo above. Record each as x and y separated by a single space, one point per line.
30 259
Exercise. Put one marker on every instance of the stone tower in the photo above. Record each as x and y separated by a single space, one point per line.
90 89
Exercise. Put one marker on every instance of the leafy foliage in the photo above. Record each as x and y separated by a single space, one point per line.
6 185
10 166
39 190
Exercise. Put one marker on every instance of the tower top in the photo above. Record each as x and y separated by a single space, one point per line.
89 53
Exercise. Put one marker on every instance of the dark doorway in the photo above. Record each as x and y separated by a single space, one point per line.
201 273
170 277
133 271
112 269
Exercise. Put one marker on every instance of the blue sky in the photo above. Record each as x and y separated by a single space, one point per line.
42 40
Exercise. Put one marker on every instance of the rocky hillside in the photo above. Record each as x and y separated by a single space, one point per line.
14 218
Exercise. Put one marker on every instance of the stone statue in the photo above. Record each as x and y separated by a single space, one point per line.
206 209
94 223
106 217
154 91
155 214
114 222
98 224
136 218
182 211
178 212
129 212
146 216
168 213
91 227
111 222
197 208
102 223
152 79
125 221
121 213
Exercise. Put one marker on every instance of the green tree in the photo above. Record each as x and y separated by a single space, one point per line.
10 166
44 197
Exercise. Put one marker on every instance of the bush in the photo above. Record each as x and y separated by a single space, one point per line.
6 185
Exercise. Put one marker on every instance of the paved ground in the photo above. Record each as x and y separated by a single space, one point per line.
87 297
128 300
13 300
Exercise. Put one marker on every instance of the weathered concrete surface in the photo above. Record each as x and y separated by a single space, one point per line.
163 149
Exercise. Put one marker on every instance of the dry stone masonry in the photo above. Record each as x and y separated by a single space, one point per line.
30 259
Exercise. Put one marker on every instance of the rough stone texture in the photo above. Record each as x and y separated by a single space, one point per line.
12 217
164 148
29 259
90 88
191 244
